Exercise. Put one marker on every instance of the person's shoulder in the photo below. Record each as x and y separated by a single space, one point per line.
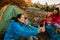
12 22
50 13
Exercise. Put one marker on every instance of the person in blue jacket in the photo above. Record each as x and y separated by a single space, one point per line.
17 29
53 35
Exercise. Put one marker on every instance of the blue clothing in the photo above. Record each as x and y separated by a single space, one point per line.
57 25
16 30
51 30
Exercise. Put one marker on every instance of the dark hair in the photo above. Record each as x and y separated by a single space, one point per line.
15 18
19 15
57 9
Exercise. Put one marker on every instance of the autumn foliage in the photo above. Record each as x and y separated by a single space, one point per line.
16 2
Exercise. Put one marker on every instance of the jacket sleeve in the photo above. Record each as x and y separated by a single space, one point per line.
22 31
49 15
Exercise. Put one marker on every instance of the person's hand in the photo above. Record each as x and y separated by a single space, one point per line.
42 29
48 22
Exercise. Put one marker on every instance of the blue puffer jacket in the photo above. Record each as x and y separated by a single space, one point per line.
51 30
16 30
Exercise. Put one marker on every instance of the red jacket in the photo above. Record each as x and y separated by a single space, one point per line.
55 19
44 21
58 20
